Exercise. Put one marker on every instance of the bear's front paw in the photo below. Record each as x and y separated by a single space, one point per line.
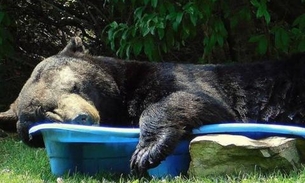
143 159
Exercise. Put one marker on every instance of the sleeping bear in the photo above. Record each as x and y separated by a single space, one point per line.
166 100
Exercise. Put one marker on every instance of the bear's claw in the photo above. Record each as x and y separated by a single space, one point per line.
141 161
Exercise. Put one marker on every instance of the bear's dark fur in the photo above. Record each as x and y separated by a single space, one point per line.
166 100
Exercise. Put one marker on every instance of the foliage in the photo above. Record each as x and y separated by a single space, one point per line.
281 34
194 31
158 27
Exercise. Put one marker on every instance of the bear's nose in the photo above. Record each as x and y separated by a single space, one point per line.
82 119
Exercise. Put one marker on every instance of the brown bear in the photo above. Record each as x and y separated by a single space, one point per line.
166 100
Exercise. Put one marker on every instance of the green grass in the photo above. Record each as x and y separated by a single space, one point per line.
19 163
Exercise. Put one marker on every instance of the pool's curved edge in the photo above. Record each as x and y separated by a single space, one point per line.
84 129
203 130
250 127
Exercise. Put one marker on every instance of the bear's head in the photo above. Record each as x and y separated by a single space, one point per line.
66 88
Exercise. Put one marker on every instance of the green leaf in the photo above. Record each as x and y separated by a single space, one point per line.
112 45
220 40
220 28
193 19
146 2
262 43
267 17
281 39
171 16
213 40
161 33
110 34
154 3
277 39
262 10
137 47
300 21
152 30
175 26
188 7
164 48
285 39
262 46
148 47
114 25
139 12
120 51
145 30
259 12
209 43
296 31
179 17
185 31
255 3
254 39
128 51
125 34
160 25
301 46
134 31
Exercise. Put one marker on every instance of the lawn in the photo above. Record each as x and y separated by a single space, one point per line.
19 163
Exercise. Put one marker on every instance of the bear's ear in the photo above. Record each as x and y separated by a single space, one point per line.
75 45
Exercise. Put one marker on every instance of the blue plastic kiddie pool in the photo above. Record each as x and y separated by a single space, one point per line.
91 149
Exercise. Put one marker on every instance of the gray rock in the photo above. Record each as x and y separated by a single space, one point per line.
230 154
